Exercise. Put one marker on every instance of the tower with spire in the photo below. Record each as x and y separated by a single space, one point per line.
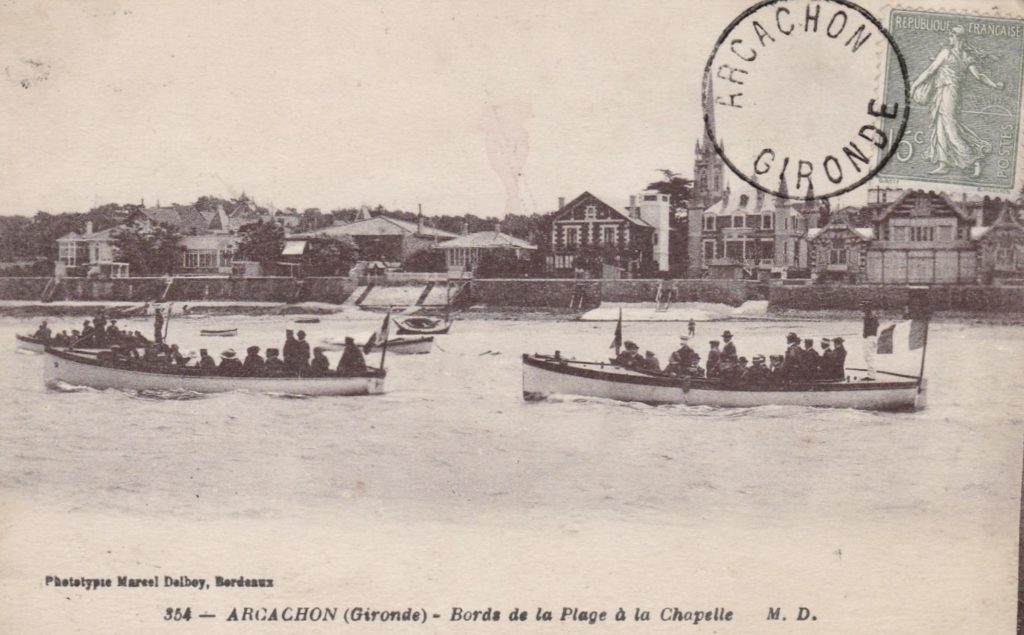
708 172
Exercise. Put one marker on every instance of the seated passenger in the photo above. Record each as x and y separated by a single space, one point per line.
352 361
758 373
651 362
43 332
205 361
175 356
775 367
682 359
714 359
229 363
627 358
811 360
320 364
274 363
253 364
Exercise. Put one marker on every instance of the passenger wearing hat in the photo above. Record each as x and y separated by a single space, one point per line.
758 373
229 363
811 361
714 359
775 365
273 364
320 364
253 364
651 362
352 361
838 359
205 361
300 359
826 366
792 364
630 356
682 359
728 362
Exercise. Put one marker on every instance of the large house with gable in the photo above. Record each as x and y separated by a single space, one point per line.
588 224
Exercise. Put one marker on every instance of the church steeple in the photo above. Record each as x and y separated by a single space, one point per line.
708 173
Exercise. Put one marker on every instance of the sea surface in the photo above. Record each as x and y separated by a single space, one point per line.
712 505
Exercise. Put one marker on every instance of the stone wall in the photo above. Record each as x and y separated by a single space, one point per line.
22 288
893 298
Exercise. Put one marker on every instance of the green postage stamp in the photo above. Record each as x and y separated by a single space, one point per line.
965 87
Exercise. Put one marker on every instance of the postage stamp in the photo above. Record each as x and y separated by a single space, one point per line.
965 73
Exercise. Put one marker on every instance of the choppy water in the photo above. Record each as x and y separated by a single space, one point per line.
452 442
453 432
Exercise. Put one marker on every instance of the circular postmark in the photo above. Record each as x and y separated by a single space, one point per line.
793 97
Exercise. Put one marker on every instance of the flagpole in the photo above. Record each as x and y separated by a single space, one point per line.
618 334
924 349
384 333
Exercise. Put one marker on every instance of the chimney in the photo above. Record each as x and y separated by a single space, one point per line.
88 227
561 202
419 219
633 211
465 228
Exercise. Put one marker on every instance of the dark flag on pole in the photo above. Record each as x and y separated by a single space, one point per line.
617 342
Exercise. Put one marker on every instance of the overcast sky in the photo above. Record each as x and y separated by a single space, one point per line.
479 107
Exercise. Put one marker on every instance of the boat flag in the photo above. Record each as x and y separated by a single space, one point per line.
891 339
617 342
380 336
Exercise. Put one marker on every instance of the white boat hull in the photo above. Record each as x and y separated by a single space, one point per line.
26 344
63 367
398 345
543 376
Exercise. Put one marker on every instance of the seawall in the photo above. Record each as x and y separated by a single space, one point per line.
535 294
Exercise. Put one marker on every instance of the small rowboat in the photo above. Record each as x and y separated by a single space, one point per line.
34 345
544 376
218 332
307 320
79 370
422 326
396 345
29 343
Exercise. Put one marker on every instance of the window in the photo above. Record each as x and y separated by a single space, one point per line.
766 221
734 249
709 223
737 221
922 234
571 236
837 257
754 222
709 250
590 213
899 234
609 235
946 233
724 222
1004 255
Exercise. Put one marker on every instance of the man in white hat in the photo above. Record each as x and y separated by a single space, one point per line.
229 363
683 358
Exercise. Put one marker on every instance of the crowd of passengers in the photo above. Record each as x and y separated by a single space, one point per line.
95 333
796 364
295 357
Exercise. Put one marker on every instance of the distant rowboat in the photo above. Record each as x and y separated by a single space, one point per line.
219 332
307 320
422 326
396 345
80 370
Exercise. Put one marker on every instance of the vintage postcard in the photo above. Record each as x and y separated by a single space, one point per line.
473 316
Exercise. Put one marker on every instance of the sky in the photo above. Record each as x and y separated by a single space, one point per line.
464 107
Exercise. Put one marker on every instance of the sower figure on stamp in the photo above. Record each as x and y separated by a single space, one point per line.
951 144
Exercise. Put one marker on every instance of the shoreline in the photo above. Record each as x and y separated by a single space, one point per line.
28 309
